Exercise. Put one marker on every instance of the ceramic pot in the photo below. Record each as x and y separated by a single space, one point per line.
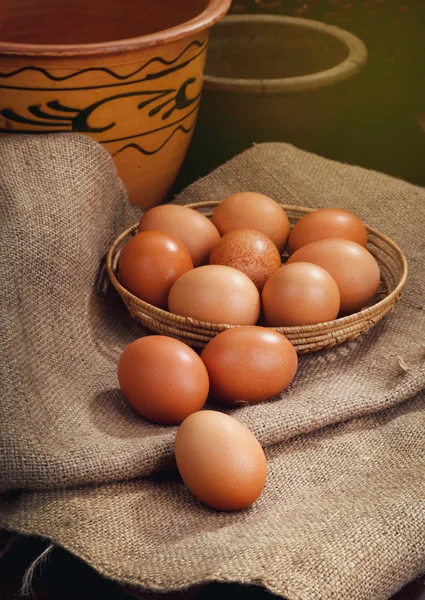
273 78
129 74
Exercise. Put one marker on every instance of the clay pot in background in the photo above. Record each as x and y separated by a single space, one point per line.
392 31
273 78
128 73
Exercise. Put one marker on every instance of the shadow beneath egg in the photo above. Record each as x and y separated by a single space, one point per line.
114 416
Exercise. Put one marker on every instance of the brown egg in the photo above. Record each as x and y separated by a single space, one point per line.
249 364
324 224
150 263
216 294
220 460
249 251
354 269
191 227
300 294
249 210
163 379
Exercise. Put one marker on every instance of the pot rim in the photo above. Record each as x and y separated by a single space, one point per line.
214 11
352 64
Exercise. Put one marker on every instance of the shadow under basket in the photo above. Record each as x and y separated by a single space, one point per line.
306 338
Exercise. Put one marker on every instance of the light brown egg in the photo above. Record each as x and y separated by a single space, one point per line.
249 251
163 379
249 364
354 269
327 223
191 227
150 263
300 294
250 210
220 460
216 294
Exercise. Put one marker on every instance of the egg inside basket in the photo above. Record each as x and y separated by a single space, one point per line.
306 338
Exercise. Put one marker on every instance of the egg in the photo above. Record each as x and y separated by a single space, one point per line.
249 251
300 294
354 269
150 263
250 210
220 460
191 227
327 223
249 364
216 294
163 379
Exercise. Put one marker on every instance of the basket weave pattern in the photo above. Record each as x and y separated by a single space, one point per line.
306 338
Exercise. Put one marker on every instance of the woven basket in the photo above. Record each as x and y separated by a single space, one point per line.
307 338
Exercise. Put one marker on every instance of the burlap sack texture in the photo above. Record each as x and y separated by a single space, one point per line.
343 513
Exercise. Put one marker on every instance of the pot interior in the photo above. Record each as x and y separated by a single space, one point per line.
270 50
90 21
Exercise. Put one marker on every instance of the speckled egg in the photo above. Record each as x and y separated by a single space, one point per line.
249 251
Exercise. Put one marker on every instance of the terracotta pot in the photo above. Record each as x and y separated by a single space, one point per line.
273 78
127 73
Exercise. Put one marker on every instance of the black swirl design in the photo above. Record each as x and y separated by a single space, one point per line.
156 59
77 120
160 147
144 133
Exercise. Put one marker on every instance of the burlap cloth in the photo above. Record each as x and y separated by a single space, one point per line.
343 512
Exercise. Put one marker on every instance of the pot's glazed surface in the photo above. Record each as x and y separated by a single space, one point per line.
138 96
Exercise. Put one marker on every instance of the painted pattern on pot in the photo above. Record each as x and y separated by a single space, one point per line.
141 106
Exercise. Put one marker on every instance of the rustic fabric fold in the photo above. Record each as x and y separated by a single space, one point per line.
343 513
